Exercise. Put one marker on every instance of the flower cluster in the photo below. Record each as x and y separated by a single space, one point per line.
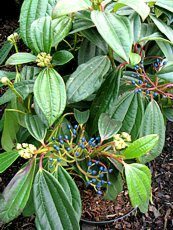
43 59
13 38
26 150
121 140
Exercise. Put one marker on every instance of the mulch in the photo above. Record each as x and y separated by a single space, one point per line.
160 214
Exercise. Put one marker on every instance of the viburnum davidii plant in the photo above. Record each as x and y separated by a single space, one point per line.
89 97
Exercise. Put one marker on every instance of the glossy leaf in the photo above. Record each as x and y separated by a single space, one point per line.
87 51
10 130
4 51
20 58
61 28
50 84
81 117
70 189
136 26
105 98
16 194
116 31
163 27
62 57
70 6
6 159
115 187
30 11
42 34
52 205
141 146
129 109
134 59
153 123
139 6
107 126
167 49
166 4
166 72
138 178
87 78
35 127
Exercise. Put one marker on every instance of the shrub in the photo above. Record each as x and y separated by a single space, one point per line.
102 120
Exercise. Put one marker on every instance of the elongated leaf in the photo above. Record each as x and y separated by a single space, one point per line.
87 78
42 34
138 178
61 28
116 31
136 26
4 51
87 51
20 58
107 126
62 57
6 159
29 72
163 27
93 36
153 123
167 49
147 30
116 186
81 117
50 84
69 6
166 4
139 6
166 72
36 127
10 130
129 109
141 146
16 194
105 98
70 189
53 209
30 11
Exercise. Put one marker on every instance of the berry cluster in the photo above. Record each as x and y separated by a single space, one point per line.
98 175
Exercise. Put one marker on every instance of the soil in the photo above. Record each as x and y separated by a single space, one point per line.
160 214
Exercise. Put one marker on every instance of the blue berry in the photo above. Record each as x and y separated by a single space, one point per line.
109 183
165 62
91 140
93 144
77 154
103 181
94 172
57 148
99 185
101 168
97 162
105 170
155 94
101 175
61 141
74 131
50 166
87 183
76 126
60 137
147 92
66 137
110 170
98 138
133 82
53 138
99 192
94 180
89 171
69 126
139 90
83 139
140 82
68 149
58 160
51 159
89 163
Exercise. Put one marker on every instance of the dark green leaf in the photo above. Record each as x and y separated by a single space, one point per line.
107 126
81 117
16 194
87 78
153 123
20 58
6 159
138 179
166 72
62 57
35 126
50 84
49 197
4 51
141 146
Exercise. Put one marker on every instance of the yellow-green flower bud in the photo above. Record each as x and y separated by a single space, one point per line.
43 59
126 136
26 150
13 38
5 80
